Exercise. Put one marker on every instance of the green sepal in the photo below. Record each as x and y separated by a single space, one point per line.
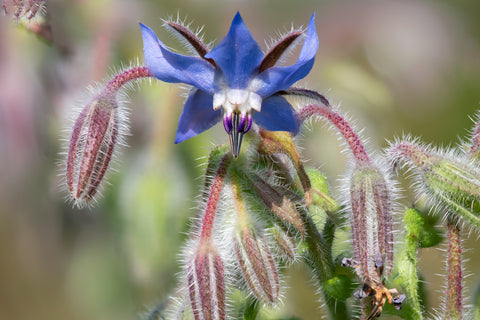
320 192
340 287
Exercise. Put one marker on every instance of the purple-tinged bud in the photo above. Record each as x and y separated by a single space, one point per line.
97 131
257 265
282 142
280 201
371 207
23 9
92 143
206 284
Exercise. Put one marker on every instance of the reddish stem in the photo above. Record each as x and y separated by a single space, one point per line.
353 140
128 75
212 202
453 308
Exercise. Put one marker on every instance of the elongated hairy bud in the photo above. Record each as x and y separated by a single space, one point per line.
372 227
447 180
94 136
257 265
97 131
206 284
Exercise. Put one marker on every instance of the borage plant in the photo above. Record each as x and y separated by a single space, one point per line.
263 208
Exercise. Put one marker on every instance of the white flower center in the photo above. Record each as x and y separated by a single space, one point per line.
239 100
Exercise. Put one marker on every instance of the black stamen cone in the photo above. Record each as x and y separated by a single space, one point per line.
236 134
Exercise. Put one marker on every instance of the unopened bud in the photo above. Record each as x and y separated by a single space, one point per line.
280 201
206 284
257 265
285 242
282 142
371 221
92 143
446 180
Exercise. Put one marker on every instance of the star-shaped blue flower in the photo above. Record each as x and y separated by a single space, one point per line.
235 80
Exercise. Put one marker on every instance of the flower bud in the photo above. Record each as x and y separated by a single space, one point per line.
282 142
446 180
257 265
206 284
280 201
92 143
285 242
372 227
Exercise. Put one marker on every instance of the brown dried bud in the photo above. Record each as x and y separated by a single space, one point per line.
94 136
257 265
206 284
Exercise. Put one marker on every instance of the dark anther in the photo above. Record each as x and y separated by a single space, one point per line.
236 125
249 123
227 123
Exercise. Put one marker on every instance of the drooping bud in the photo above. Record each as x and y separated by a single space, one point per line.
257 265
371 202
94 137
281 142
285 241
280 201
97 131
445 179
206 284
23 9
371 221
254 258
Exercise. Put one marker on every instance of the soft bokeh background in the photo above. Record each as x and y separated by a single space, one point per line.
395 66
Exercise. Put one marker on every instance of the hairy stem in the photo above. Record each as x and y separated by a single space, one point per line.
214 197
126 76
320 253
453 299
351 137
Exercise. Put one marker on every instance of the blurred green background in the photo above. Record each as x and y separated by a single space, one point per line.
395 66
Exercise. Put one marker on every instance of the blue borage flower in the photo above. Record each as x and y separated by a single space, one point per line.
235 80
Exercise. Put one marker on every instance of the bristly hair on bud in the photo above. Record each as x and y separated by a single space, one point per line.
370 197
24 9
206 284
448 180
254 259
97 131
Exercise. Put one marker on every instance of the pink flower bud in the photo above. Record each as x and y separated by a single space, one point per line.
371 207
206 284
92 143
257 265
280 201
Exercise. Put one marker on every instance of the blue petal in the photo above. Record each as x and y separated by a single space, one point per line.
197 116
277 115
173 67
280 78
238 55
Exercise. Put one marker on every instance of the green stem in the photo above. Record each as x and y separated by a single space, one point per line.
319 249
